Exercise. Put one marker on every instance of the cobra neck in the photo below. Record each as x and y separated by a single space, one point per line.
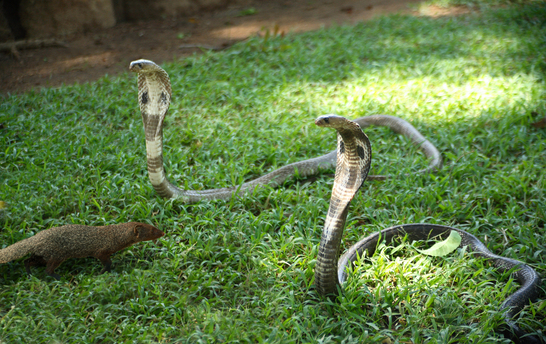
353 164
326 269
156 171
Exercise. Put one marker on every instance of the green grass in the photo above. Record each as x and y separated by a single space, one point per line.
242 270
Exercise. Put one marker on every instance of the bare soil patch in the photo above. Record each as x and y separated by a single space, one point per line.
90 56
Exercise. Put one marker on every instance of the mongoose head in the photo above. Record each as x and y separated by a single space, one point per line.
145 232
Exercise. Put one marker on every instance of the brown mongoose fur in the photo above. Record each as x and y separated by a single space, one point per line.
53 246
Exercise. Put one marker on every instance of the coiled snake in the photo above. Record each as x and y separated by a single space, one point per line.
352 159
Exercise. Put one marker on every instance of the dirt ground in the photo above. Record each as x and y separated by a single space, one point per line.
90 56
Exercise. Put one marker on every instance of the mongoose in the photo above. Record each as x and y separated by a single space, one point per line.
53 246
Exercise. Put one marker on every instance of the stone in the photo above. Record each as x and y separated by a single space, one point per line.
49 18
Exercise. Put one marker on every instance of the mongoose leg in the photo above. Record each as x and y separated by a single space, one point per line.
51 266
107 262
34 261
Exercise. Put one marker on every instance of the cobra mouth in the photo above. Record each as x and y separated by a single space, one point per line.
139 65
135 66
324 121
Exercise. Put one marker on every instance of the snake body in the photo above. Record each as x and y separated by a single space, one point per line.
154 95
353 164
352 160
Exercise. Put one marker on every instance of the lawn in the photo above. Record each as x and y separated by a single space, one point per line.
242 270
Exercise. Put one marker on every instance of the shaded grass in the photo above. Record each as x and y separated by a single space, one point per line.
242 270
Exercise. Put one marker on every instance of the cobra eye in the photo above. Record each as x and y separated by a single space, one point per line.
327 120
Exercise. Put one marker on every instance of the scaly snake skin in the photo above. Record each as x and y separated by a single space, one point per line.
353 163
154 96
352 160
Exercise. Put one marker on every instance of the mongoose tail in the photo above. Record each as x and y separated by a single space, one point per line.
53 246
17 250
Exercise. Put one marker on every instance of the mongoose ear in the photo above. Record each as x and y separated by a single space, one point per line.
137 230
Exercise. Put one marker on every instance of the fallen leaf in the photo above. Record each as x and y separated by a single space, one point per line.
445 247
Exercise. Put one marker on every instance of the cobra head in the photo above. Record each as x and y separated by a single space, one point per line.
154 95
353 153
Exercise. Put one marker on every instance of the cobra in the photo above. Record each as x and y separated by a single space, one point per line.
353 163
154 96
352 160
